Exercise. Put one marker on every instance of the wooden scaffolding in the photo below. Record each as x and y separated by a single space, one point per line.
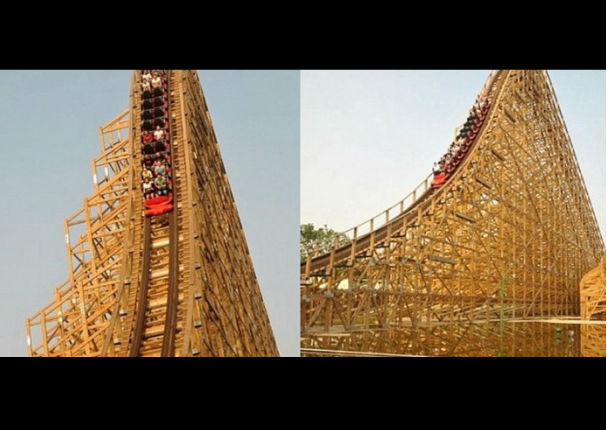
514 218
185 286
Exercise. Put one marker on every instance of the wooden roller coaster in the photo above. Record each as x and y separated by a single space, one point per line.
178 284
592 293
510 232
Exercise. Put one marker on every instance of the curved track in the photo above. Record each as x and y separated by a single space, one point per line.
396 225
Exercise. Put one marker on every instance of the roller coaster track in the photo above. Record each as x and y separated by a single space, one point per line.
158 297
516 210
178 284
142 298
147 300
395 225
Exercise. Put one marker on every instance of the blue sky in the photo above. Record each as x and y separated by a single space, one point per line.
48 127
351 120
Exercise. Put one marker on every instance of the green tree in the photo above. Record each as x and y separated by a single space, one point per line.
318 240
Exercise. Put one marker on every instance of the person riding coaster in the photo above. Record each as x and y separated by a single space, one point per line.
162 201
152 125
147 137
159 201
148 149
458 149
148 189
436 170
146 87
438 180
162 122
147 174
154 102
154 93
158 92
160 146
156 168
153 113
159 133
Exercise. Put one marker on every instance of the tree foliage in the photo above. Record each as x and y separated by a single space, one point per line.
317 240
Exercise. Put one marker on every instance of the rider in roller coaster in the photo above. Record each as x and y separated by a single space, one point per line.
459 147
156 169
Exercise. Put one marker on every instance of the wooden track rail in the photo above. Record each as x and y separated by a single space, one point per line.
158 297
170 328
142 298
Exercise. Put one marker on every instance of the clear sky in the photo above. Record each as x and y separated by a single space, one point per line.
48 128
369 137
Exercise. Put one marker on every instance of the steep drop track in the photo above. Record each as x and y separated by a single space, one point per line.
157 299
398 223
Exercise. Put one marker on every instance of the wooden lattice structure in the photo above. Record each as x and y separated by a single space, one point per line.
479 339
593 340
592 293
515 217
181 284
